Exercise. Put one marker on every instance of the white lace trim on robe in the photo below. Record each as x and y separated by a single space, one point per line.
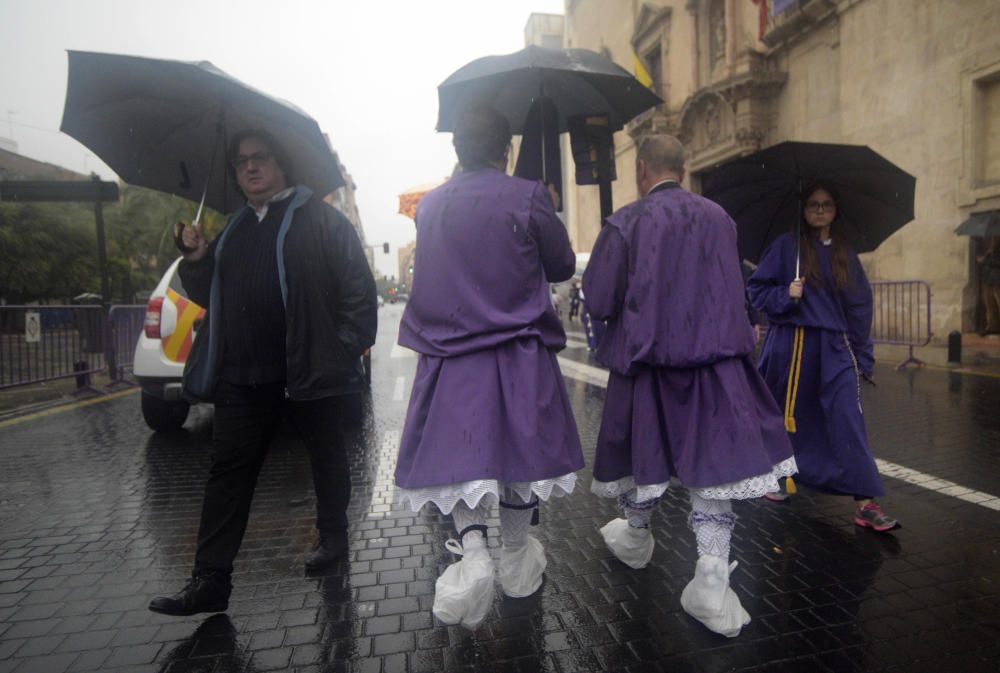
472 492
745 489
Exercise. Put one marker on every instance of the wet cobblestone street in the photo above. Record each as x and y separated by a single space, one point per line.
98 514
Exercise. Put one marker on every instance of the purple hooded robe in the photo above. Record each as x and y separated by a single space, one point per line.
488 399
829 438
683 398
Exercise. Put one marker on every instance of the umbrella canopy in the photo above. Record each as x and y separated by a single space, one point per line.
577 81
409 199
981 225
165 125
761 192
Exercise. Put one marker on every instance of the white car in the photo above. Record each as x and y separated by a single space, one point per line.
171 324
164 343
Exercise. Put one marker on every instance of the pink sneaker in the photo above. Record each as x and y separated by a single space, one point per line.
872 516
776 496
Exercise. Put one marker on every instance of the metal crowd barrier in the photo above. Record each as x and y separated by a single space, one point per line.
46 343
125 322
902 315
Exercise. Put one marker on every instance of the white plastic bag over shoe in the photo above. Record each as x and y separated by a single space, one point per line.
521 568
709 598
631 546
464 592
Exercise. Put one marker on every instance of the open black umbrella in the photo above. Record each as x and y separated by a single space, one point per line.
165 125
572 83
981 225
761 192
576 81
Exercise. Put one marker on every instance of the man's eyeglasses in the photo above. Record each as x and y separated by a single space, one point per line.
242 162
820 206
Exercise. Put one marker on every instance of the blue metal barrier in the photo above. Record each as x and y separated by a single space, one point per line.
47 343
902 315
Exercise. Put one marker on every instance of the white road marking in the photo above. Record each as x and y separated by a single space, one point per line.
599 377
932 483
400 352
584 372
397 393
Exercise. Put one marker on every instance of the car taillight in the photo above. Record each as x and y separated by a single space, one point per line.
153 310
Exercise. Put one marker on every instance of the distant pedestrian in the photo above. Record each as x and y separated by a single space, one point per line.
489 418
817 351
574 300
684 400
990 262
291 307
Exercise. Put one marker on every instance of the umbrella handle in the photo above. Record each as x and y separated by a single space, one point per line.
215 148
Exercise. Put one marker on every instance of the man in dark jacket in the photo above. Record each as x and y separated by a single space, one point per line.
291 308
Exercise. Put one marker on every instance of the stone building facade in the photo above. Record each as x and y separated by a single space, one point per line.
916 80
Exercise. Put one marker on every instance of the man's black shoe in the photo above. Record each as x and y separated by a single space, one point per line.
206 592
328 550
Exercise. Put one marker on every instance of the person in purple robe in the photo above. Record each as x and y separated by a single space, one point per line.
684 402
489 419
817 351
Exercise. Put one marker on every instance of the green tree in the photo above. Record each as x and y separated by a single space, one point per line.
46 252
140 231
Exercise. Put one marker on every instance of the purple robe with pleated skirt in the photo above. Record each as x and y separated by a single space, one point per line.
830 441
488 399
684 400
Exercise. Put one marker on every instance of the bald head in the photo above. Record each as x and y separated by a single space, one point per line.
660 157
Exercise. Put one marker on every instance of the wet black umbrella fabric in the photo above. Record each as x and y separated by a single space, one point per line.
577 81
165 124
761 192
980 225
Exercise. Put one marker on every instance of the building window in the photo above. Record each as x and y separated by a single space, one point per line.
654 66
717 31
988 164
552 41
979 186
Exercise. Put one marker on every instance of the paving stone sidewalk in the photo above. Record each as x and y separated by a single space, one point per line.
97 515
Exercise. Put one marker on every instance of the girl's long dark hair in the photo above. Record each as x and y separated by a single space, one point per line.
839 253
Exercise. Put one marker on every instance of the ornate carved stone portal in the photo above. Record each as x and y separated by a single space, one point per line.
730 118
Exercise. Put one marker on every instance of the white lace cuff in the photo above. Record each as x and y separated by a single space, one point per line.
472 492
745 489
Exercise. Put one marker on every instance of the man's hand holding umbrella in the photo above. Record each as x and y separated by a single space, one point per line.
190 242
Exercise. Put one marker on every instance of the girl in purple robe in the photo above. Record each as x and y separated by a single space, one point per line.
489 418
816 353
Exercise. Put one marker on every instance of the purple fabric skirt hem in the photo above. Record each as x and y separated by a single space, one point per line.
705 426
501 413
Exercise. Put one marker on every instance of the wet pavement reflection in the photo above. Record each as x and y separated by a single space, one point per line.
98 514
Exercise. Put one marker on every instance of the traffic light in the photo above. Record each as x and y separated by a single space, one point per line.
385 248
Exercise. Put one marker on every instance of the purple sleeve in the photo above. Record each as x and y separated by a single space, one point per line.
768 286
606 277
554 248
858 310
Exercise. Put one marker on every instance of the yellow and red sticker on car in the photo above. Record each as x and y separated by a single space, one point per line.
176 346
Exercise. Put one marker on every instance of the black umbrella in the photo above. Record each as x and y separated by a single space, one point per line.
572 82
981 225
761 192
577 81
165 125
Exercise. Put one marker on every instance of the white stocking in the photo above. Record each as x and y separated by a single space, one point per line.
712 522
638 514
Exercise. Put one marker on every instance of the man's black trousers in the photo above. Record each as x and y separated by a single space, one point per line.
246 419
